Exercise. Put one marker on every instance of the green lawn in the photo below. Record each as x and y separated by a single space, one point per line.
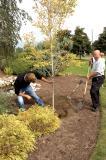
79 70
100 149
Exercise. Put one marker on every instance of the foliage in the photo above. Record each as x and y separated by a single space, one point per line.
40 120
81 43
16 140
8 71
40 46
6 104
10 23
78 67
29 39
101 42
51 14
64 40
21 65
33 59
19 50
2 62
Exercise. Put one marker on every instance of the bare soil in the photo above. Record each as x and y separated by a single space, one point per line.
76 138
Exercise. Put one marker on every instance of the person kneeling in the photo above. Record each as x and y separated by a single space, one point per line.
24 90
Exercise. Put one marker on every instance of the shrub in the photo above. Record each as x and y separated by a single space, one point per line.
16 140
20 65
40 120
6 102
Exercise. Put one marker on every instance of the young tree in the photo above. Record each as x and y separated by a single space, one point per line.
52 13
81 43
10 23
50 17
101 42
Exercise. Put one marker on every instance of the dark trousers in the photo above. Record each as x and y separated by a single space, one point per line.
94 91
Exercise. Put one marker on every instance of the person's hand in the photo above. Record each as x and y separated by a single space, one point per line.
88 77
27 97
51 82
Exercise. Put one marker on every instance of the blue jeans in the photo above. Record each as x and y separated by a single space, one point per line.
28 90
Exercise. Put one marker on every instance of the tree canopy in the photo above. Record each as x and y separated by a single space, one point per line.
101 42
51 14
81 42
10 23
64 40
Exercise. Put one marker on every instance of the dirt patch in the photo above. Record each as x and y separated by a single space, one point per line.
77 135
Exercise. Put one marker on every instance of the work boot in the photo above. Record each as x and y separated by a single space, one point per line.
94 109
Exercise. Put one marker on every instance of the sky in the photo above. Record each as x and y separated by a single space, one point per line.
89 14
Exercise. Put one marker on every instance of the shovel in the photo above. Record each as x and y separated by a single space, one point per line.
73 91
81 103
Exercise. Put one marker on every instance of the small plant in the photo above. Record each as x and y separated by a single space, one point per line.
16 140
8 70
40 120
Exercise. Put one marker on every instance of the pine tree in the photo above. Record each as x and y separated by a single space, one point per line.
81 42
101 42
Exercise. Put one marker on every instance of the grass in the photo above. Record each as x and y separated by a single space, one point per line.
100 149
77 69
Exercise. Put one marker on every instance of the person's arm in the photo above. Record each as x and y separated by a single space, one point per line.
91 75
99 68
45 80
24 95
17 91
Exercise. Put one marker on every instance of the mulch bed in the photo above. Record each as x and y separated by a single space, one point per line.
76 138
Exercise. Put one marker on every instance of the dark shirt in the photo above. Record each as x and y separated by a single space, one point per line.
21 83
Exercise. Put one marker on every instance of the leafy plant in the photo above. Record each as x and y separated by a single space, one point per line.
40 120
8 70
16 140
21 65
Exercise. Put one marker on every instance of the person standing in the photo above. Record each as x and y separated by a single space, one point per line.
97 76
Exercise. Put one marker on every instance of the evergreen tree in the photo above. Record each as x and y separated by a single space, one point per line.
101 42
64 40
81 42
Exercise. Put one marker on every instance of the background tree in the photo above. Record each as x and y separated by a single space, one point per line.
64 40
29 40
101 42
10 23
81 42
19 50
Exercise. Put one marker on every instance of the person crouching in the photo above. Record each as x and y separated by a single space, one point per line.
24 90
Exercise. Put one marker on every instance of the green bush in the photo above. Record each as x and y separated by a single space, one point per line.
21 65
16 140
40 120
